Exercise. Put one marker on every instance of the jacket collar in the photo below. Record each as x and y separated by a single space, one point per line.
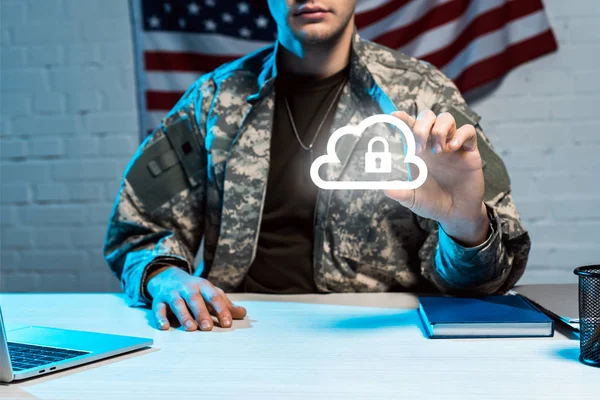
267 75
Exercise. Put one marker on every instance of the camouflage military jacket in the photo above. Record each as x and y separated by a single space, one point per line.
199 180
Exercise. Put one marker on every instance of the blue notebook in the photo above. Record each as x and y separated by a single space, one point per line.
485 317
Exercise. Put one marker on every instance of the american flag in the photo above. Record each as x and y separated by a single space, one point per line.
473 42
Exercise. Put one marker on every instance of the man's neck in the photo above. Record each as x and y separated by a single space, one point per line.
319 60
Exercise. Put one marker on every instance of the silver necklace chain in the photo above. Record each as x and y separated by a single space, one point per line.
289 112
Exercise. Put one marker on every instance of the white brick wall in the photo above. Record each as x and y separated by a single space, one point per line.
69 124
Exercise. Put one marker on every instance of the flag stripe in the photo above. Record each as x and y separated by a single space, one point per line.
367 18
435 38
366 5
184 61
483 24
494 42
163 81
161 100
400 18
495 67
434 18
206 43
153 117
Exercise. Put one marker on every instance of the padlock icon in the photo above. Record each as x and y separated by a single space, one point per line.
378 162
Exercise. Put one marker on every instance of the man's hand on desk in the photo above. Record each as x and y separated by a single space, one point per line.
191 299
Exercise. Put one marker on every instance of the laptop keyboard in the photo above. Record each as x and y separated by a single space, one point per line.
25 356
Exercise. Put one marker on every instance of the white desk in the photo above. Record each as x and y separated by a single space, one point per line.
299 347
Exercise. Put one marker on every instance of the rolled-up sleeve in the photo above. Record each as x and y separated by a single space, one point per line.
462 267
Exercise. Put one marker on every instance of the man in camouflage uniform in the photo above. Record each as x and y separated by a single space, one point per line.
203 176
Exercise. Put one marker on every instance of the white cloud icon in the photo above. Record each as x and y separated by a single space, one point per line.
330 157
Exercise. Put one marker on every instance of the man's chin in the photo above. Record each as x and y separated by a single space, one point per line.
314 34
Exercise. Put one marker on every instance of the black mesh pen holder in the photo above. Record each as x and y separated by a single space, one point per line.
589 314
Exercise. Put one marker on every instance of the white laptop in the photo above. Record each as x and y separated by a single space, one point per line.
34 350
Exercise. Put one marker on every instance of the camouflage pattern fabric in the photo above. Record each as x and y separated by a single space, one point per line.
364 241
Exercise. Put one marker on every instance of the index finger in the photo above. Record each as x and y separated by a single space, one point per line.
216 300
237 312
405 117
